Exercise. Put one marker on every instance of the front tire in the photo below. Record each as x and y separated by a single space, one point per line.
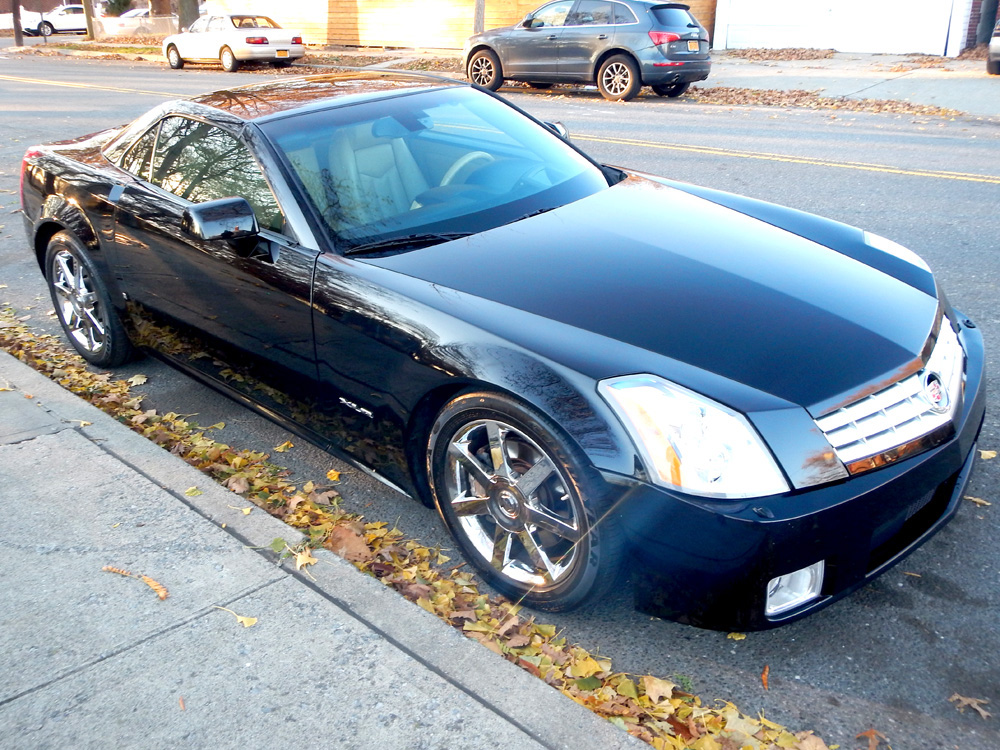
174 58
484 70
522 502
229 62
673 90
46 29
83 305
618 79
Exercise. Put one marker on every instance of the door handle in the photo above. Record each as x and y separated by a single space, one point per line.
602 36
552 37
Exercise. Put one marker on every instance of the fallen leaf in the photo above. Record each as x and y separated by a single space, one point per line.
737 636
247 622
874 737
657 689
809 741
348 543
333 476
305 557
764 675
193 492
239 485
284 446
137 380
978 501
987 455
180 699
976 704
914 575
245 511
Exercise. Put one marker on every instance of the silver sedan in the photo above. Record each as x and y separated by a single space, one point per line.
232 40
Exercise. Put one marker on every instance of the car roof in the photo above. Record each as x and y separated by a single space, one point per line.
285 97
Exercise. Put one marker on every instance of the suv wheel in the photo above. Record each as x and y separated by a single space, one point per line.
618 79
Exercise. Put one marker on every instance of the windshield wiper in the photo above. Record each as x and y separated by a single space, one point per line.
528 215
424 239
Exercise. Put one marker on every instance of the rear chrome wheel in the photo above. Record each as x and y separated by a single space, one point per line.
511 491
618 79
82 304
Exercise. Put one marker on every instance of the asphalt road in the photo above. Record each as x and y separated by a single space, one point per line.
889 656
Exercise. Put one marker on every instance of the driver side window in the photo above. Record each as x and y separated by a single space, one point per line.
200 162
198 26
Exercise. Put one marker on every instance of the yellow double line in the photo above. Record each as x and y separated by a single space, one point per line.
862 166
706 150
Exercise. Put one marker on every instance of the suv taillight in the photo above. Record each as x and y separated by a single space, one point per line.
664 37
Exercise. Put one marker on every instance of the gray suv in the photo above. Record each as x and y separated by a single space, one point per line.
621 45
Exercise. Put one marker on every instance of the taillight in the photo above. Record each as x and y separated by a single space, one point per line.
31 153
664 37
256 40
296 40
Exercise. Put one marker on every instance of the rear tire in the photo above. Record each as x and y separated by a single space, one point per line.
673 90
83 305
229 62
484 70
993 67
618 79
174 58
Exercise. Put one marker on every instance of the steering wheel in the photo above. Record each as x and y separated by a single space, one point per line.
463 161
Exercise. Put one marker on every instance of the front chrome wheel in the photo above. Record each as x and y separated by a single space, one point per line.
522 501
484 70
512 503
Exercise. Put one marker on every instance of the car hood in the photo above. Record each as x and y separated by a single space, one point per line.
689 279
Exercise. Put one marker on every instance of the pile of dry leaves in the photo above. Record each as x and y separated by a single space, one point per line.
728 95
784 53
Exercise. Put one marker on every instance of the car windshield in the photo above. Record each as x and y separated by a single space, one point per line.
437 163
253 22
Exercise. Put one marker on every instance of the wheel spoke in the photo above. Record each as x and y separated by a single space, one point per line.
544 519
538 557
498 452
502 540
473 468
532 479
463 505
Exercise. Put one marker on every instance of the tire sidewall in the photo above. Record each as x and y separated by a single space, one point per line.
174 58
494 83
472 406
233 64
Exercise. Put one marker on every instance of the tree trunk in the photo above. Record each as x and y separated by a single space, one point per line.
18 38
159 7
187 12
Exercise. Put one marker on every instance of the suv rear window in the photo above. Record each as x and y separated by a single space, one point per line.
672 15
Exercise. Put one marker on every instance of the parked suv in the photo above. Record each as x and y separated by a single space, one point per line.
993 55
621 45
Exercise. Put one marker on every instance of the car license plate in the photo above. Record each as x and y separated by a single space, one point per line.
692 45
281 53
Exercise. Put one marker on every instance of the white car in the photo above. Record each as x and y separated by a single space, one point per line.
65 19
137 21
232 40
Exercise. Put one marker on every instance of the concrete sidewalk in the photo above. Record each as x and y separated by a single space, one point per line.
93 659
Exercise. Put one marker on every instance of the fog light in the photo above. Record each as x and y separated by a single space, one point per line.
789 591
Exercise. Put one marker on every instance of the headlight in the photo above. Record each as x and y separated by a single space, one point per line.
690 442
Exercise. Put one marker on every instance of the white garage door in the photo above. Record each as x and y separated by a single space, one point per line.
879 26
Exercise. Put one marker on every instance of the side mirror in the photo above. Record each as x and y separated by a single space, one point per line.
536 23
559 129
223 219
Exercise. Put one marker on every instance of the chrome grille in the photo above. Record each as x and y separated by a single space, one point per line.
901 413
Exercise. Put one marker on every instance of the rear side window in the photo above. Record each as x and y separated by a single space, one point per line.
623 14
590 13
673 16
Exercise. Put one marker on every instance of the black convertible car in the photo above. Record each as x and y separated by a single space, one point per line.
586 369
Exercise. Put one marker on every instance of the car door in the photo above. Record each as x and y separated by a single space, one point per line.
69 19
531 50
589 31
190 43
233 311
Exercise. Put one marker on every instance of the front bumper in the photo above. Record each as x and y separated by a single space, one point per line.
708 562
